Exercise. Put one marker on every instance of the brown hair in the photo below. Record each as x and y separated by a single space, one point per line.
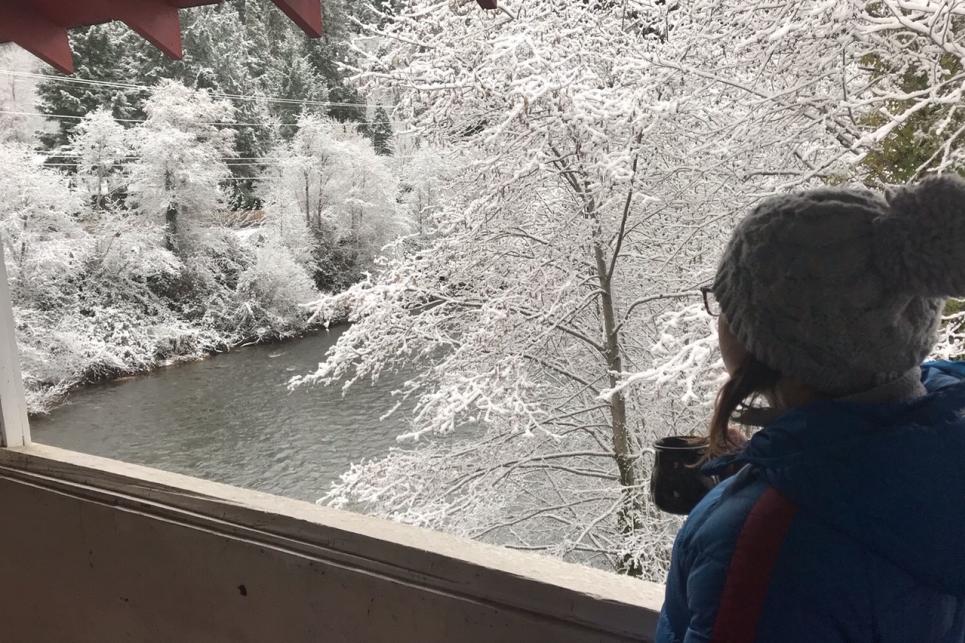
751 378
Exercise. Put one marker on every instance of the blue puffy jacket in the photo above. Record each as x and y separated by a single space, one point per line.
847 523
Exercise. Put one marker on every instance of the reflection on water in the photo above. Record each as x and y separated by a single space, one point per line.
231 419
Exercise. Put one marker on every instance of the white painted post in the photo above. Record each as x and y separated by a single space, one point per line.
14 429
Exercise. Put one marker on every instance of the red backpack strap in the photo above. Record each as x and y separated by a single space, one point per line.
749 573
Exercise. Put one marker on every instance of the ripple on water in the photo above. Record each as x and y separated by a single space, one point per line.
231 419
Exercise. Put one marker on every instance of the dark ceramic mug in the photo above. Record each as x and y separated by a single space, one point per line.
677 484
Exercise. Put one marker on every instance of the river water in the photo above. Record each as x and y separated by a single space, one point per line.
230 418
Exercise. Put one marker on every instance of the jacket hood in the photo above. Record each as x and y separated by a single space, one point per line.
891 476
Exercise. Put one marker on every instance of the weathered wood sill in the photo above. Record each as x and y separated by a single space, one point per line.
99 550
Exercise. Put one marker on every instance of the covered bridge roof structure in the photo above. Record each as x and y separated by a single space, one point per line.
93 549
41 26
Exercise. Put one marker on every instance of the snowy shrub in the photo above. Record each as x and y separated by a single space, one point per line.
328 181
273 292
37 216
100 290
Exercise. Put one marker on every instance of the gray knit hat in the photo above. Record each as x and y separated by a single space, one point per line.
843 289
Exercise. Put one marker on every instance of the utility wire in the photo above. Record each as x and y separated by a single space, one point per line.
226 162
220 158
143 120
122 165
120 85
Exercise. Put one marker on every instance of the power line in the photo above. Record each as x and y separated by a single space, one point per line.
143 120
226 162
124 165
120 85
135 158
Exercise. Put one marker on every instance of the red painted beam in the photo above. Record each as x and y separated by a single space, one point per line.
72 14
184 4
34 32
40 26
307 14
155 20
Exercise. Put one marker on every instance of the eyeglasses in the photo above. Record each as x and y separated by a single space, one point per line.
710 301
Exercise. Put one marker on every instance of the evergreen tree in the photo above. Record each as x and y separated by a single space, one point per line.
381 129
96 57
325 55
240 48
916 146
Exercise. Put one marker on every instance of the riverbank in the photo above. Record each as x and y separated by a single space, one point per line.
231 418
45 393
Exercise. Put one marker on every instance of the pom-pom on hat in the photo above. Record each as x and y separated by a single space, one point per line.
842 288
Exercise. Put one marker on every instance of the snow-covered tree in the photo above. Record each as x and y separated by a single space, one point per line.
96 53
42 239
424 179
167 274
914 54
17 95
305 167
613 145
331 178
285 219
381 130
181 149
99 146
243 48
361 193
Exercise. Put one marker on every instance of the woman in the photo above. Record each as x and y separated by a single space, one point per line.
846 521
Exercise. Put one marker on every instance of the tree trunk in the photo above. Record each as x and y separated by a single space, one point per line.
99 199
308 206
171 228
170 218
628 515
356 230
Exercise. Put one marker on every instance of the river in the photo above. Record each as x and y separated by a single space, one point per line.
230 418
